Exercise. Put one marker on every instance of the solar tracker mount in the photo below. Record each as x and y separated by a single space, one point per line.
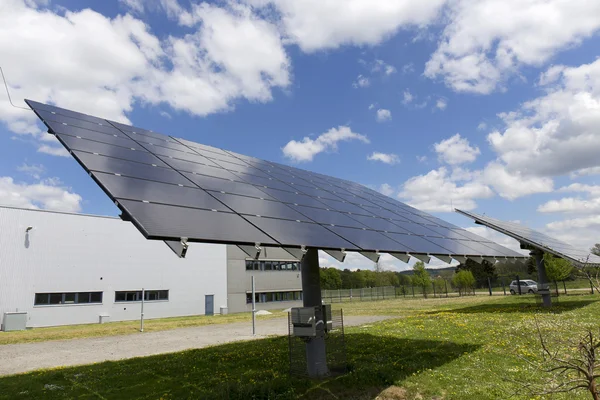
174 190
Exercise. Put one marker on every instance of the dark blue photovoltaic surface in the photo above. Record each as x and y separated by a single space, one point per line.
172 188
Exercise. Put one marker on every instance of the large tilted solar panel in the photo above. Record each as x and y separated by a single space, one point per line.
536 239
172 188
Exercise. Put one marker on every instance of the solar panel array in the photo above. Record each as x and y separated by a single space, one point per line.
172 188
536 239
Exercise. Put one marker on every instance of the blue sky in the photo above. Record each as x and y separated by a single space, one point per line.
432 103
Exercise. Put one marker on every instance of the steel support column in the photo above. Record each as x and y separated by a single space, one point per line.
316 359
543 285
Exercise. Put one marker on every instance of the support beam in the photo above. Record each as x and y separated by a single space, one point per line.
404 257
180 248
422 257
477 259
371 255
460 259
444 258
543 287
316 357
491 260
251 251
339 255
297 253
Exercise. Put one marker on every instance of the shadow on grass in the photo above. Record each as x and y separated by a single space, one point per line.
245 370
527 306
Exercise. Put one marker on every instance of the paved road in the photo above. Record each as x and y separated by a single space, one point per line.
18 358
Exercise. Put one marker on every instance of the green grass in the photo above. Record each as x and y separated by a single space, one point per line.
121 328
466 348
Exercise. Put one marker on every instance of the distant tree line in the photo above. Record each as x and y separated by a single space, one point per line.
463 278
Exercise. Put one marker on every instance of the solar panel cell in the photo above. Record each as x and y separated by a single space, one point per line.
166 222
121 187
132 169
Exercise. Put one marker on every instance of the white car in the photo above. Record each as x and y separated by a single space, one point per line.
527 286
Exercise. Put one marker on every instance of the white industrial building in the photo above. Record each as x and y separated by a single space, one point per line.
63 269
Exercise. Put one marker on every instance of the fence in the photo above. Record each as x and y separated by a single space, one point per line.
441 289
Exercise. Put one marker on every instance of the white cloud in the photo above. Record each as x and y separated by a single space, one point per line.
408 68
45 194
407 97
165 114
380 66
316 25
512 185
575 205
386 189
103 66
575 223
482 126
585 171
456 150
371 106
34 170
421 159
556 133
383 115
436 191
136 6
488 40
361 82
441 104
390 159
308 148
571 205
53 150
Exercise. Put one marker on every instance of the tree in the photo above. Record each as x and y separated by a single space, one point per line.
358 280
330 279
463 281
421 277
557 269
596 249
481 271
346 276
439 284
571 365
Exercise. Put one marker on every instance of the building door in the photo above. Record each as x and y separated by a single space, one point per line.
209 304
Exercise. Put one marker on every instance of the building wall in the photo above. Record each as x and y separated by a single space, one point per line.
77 253
239 280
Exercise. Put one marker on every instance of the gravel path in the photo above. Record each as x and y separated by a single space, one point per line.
18 358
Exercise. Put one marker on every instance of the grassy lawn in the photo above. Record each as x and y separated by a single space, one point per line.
122 328
466 348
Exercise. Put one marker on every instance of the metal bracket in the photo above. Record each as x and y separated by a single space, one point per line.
460 259
251 251
371 255
297 253
422 257
179 248
404 257
339 255
491 260
477 259
444 258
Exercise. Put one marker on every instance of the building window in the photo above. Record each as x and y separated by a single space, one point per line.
253 265
67 298
269 297
136 295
